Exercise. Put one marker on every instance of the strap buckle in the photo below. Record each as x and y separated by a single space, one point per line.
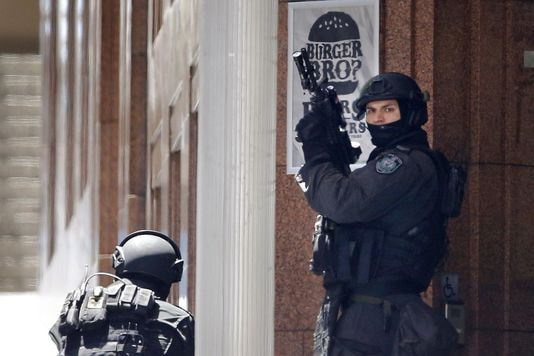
387 306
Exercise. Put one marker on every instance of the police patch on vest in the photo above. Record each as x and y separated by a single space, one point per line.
388 164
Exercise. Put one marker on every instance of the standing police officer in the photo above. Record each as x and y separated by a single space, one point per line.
130 316
388 231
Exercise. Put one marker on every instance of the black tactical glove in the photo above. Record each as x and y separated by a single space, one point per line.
311 128
311 132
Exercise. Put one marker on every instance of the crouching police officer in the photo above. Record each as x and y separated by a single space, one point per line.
130 316
381 232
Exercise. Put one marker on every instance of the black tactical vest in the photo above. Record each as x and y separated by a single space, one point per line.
383 263
121 319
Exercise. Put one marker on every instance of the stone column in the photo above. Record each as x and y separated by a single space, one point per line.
236 178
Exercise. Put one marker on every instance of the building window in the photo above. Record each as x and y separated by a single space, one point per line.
155 210
175 201
85 92
70 118
157 17
192 211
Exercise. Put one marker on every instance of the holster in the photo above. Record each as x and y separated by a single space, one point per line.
323 254
331 259
327 319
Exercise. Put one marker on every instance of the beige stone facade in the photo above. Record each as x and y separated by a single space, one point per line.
123 119
20 146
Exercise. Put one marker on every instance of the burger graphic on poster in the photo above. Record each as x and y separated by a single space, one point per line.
334 49
341 39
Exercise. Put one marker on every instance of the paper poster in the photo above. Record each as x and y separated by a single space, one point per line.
341 38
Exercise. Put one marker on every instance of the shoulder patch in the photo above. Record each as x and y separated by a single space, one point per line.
388 163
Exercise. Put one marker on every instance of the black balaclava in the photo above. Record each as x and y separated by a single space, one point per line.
382 135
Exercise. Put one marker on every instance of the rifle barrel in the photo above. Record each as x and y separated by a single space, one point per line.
309 70
299 61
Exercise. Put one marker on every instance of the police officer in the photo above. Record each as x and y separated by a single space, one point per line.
387 211
130 316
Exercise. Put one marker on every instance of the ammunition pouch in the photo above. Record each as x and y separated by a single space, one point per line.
84 311
326 320
70 312
93 311
331 252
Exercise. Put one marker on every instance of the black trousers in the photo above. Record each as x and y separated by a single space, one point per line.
361 330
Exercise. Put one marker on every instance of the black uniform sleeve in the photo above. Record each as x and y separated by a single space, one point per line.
55 335
363 196
182 321
188 330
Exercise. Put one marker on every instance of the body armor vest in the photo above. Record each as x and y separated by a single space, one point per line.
118 320
384 263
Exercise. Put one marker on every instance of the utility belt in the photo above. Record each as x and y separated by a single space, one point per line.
376 293
386 305
385 288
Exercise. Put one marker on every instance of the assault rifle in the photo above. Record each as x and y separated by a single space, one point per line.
324 101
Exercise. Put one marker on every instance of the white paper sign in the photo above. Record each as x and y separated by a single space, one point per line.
341 38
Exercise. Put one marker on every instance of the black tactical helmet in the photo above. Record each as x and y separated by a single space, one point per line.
397 86
150 254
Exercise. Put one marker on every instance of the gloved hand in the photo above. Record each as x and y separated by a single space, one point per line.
311 132
316 151
311 128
